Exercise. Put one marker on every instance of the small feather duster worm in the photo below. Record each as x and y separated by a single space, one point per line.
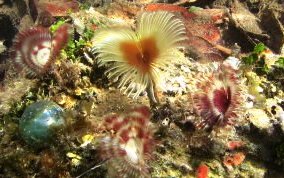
219 98
35 49
141 57
129 147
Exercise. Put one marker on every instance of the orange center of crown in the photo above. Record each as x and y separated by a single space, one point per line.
140 54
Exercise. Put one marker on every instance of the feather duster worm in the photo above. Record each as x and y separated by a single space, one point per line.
131 144
219 97
35 49
140 58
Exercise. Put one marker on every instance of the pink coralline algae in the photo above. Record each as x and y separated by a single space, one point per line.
129 148
219 97
57 8
36 49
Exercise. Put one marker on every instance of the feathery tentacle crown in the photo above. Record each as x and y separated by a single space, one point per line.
35 49
219 97
128 149
140 57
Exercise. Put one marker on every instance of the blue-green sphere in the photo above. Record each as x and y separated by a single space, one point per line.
40 122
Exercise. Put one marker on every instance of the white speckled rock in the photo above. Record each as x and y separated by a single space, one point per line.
259 119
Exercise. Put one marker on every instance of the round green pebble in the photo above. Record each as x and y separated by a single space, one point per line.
40 122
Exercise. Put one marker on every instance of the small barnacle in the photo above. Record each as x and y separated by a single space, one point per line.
129 147
166 122
36 49
271 105
219 98
141 58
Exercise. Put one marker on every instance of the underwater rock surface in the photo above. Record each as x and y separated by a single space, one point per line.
216 112
40 121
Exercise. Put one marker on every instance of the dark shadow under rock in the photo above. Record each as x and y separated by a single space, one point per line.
274 28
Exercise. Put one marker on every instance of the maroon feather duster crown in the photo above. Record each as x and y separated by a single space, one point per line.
219 97
130 145
35 49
